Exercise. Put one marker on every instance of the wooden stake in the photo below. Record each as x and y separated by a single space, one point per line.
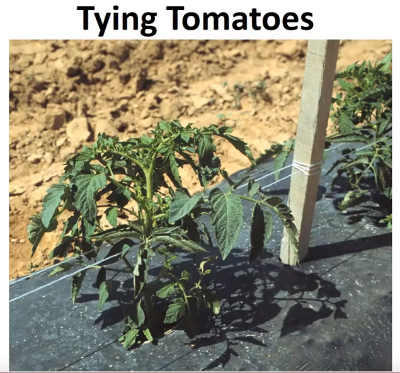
315 105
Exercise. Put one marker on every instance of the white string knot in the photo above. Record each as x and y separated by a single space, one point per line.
308 169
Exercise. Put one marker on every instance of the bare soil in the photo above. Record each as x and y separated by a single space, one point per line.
63 93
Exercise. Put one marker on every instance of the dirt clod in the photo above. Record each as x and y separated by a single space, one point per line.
77 131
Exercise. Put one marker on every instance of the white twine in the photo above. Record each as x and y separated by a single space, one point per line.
64 277
48 268
308 169
103 260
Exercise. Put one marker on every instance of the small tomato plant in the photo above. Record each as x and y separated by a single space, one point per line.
361 113
141 177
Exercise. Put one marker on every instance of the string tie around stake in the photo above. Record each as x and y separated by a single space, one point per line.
308 169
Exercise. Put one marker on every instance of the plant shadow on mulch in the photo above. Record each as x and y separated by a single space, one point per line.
247 307
373 205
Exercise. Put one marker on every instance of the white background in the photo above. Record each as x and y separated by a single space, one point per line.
28 19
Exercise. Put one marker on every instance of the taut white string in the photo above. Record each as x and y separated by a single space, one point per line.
48 268
64 277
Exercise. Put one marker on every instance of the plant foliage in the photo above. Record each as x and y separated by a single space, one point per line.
141 178
361 113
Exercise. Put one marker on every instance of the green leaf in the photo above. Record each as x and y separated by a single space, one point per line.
122 231
252 187
61 268
174 169
345 85
103 294
240 182
283 209
185 276
51 201
383 126
226 218
86 155
121 247
140 315
130 338
61 250
388 162
165 126
345 124
257 232
268 227
216 306
182 204
185 136
140 273
88 185
147 334
70 225
204 262
206 234
175 311
290 228
76 284
36 231
280 160
225 175
211 300
348 138
239 144
358 161
205 149
187 245
111 215
349 200
273 201
89 227
385 63
166 290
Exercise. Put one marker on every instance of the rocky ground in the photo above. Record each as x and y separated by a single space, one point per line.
62 93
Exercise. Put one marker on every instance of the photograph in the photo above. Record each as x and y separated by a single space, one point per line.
200 205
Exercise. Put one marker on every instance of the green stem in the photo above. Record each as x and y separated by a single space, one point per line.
148 306
332 135
150 189
261 202
137 162
184 296
122 208
159 216
181 287
369 166
112 173
62 209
